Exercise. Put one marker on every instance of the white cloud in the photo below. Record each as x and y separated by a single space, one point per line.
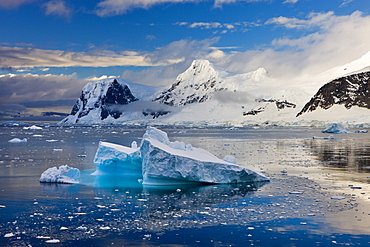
10 4
332 41
322 20
118 7
219 3
291 1
58 8
17 57
183 51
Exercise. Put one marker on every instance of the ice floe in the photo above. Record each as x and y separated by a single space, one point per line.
64 174
164 162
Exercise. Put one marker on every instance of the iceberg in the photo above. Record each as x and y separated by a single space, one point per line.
17 140
336 128
64 174
163 162
112 158
33 127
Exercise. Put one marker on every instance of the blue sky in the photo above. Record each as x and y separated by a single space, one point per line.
49 49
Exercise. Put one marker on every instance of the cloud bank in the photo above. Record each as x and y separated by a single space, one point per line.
17 57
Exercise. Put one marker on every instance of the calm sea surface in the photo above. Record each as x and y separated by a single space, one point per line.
318 194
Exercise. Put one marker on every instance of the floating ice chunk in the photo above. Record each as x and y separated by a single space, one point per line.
338 197
323 137
52 140
52 241
33 127
134 145
112 158
164 161
9 235
64 174
17 140
336 128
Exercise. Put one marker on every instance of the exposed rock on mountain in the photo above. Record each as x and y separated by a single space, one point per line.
352 90
100 98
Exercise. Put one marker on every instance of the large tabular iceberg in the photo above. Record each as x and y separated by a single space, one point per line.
165 162
65 174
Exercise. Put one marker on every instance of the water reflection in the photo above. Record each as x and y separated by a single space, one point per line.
349 154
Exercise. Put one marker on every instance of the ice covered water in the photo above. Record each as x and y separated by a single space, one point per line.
119 210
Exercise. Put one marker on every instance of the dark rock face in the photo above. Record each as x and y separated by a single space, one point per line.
116 95
352 90
280 105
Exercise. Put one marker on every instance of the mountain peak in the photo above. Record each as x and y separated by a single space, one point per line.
192 86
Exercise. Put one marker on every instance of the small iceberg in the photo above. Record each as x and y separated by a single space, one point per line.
336 128
33 127
331 137
65 175
162 162
17 140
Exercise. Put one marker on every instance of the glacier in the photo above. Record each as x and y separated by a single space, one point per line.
163 162
64 174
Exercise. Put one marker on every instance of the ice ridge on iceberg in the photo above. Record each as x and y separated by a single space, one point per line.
65 174
164 162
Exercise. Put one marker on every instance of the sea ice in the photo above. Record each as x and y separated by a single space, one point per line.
336 128
164 162
64 174
17 140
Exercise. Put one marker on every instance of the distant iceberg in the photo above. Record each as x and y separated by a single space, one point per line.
17 140
64 174
336 128
162 162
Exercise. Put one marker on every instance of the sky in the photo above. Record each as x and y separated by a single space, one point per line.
49 49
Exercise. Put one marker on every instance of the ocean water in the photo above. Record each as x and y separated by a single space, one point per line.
318 194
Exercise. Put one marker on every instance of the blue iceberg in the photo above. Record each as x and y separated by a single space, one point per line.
162 162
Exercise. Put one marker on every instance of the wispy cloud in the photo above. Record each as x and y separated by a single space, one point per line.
10 4
225 27
118 7
18 57
322 20
58 8
291 1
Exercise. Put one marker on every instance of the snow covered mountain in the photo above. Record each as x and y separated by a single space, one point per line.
206 94
97 98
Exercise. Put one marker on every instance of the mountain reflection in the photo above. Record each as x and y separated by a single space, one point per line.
346 154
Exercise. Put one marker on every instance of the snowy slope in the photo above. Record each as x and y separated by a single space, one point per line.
206 94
